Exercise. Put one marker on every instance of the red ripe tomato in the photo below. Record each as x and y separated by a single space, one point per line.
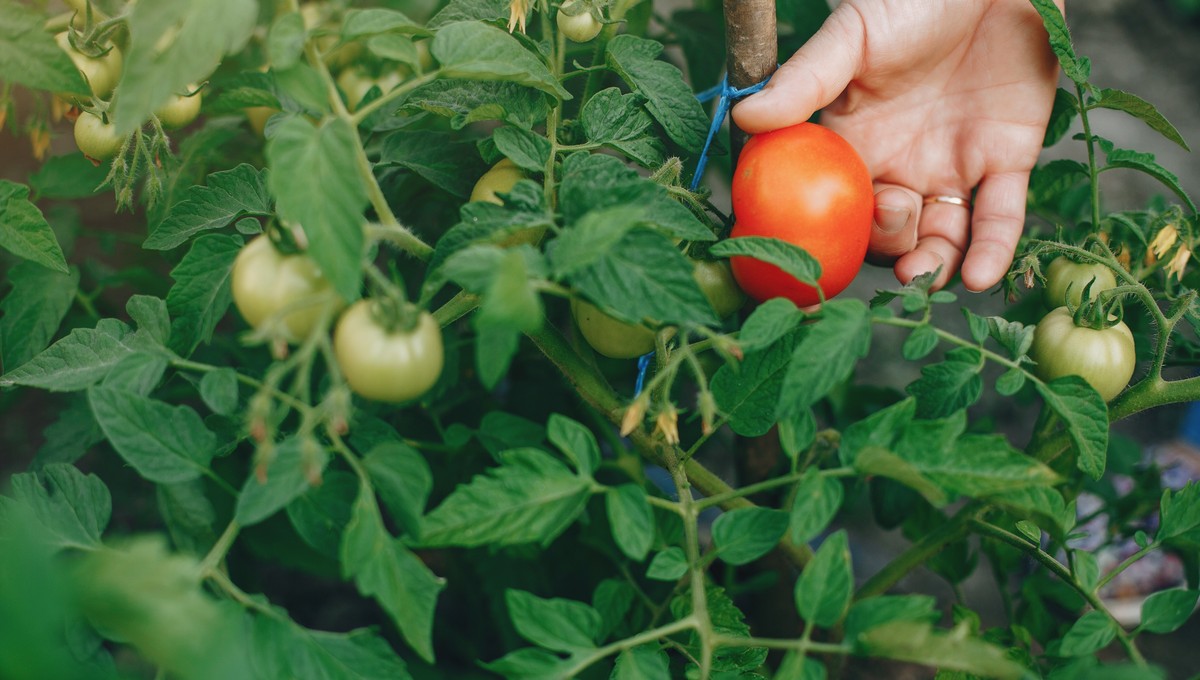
806 185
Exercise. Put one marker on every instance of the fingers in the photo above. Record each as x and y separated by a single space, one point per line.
941 240
999 217
894 232
815 75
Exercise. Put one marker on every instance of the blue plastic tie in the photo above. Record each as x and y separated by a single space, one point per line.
724 94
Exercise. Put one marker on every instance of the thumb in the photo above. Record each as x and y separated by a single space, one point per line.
815 75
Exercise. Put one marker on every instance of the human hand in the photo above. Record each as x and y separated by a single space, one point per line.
939 97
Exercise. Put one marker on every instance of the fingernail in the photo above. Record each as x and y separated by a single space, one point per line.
891 219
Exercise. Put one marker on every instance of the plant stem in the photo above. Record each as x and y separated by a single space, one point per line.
631 642
696 570
920 552
219 549
798 644
1065 575
1125 564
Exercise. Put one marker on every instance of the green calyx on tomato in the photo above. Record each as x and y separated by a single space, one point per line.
807 186
715 279
1104 357
501 178
96 137
384 361
181 109
99 66
609 335
288 288
577 20
1066 281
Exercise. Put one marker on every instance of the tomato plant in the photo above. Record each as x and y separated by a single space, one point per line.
1104 357
271 287
1066 281
412 464
394 364
807 186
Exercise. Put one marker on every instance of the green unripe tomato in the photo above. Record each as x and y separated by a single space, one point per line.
265 281
180 110
97 139
388 365
581 27
715 279
1105 358
1065 281
101 73
608 335
501 178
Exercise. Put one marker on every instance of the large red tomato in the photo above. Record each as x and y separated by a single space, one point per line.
805 185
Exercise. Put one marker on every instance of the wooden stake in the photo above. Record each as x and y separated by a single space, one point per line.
752 49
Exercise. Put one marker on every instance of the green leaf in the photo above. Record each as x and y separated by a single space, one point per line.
946 387
769 322
826 585
226 197
529 498
71 509
669 564
1085 416
792 259
282 649
32 311
1141 109
471 101
647 662
469 10
1144 162
321 514
726 619
476 51
594 182
286 477
748 393
165 444
643 276
1091 633
1010 382
189 516
918 642
138 373
879 430
795 666
1179 512
219 390
575 441
67 177
631 519
202 293
172 44
1066 107
403 480
24 231
30 56
358 23
816 502
557 624
621 122
285 41
70 436
826 355
529 150
920 342
135 594
82 358
668 97
1053 181
746 534
314 178
613 598
1167 610
384 569
448 163
1077 69
531 664
871 461
877 611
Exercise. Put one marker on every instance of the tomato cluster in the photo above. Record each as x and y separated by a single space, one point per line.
1105 356
384 357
